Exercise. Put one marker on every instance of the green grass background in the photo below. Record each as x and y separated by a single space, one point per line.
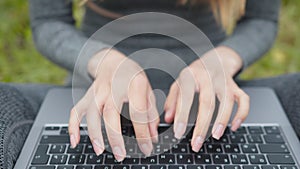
20 61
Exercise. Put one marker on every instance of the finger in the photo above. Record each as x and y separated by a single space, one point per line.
205 114
138 108
170 105
76 114
184 102
94 128
112 121
224 113
153 116
243 101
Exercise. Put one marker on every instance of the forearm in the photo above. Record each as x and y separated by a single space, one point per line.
57 38
252 39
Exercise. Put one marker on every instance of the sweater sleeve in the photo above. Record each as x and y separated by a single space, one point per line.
256 31
56 36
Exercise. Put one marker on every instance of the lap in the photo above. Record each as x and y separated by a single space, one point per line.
19 105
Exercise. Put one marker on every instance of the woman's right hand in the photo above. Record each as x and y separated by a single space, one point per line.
118 79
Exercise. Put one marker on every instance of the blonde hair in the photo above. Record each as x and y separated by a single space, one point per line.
226 12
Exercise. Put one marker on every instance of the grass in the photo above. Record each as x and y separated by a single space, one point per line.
20 62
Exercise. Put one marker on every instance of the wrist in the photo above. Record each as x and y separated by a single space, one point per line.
108 57
231 60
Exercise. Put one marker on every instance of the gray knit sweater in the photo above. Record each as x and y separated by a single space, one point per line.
59 40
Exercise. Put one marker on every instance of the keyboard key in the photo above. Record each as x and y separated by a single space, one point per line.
65 167
162 129
254 139
237 138
232 167
213 167
110 159
121 167
40 159
131 160
51 128
64 131
194 167
125 130
251 167
167 139
273 138
179 148
255 130
76 159
89 149
161 148
130 148
288 167
280 159
85 139
57 149
94 159
241 130
77 150
84 167
202 159
102 167
139 167
220 158
185 159
257 159
272 130
191 150
269 167
249 148
214 148
176 167
166 159
149 160
42 167
223 139
273 148
239 159
58 159
158 167
54 139
227 130
41 150
231 148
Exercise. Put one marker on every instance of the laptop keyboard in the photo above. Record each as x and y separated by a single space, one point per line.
251 147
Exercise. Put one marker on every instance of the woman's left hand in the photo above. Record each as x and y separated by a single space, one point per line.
211 76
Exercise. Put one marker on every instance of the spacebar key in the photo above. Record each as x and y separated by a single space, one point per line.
280 159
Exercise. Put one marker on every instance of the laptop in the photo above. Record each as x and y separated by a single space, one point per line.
265 141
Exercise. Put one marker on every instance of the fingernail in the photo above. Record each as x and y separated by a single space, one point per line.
146 148
236 124
119 156
179 131
198 143
97 147
72 140
218 132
